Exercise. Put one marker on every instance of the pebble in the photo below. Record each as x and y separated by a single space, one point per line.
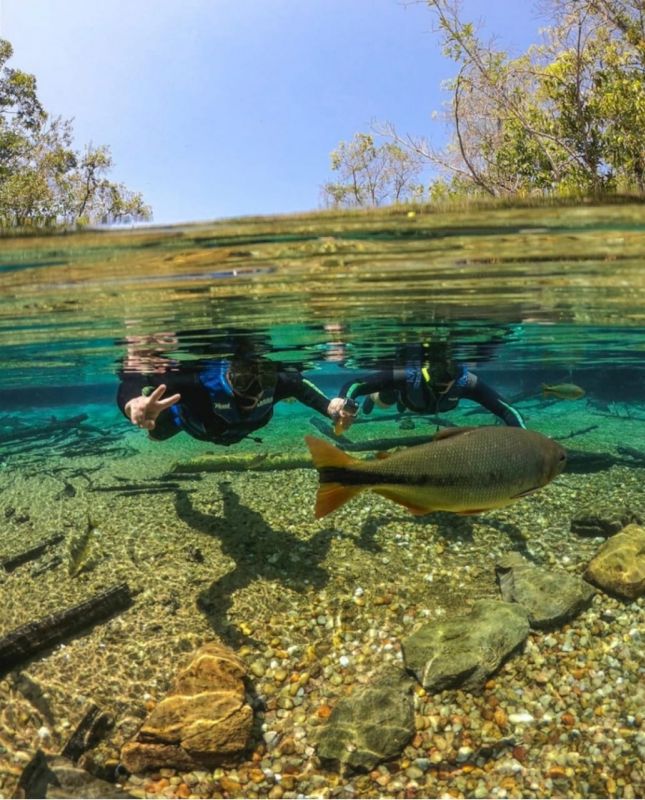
270 737
560 718
464 753
258 668
521 718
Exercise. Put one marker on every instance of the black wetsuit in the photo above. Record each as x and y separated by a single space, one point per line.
211 414
407 387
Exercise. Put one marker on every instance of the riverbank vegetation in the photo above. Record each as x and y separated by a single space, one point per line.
44 181
563 120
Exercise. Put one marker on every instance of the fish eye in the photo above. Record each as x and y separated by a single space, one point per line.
563 457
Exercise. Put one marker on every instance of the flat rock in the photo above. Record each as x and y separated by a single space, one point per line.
619 566
603 520
464 651
204 720
550 597
373 724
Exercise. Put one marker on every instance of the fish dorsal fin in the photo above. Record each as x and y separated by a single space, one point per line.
448 433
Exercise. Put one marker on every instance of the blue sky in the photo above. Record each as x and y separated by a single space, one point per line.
219 108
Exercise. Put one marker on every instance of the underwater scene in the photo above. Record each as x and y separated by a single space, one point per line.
325 505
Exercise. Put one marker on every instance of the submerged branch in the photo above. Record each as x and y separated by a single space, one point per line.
24 642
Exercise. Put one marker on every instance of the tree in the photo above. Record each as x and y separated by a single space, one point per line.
371 175
619 96
44 181
566 117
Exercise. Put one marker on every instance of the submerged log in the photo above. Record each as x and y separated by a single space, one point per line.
242 462
388 443
583 461
579 461
327 430
39 431
401 415
26 641
375 444
9 563
138 488
631 452
283 461
577 433
616 415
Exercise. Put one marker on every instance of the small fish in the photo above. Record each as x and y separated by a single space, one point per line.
464 470
258 459
564 391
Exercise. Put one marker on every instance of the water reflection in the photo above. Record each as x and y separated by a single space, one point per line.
330 292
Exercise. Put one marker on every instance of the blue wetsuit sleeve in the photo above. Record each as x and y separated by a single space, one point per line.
487 397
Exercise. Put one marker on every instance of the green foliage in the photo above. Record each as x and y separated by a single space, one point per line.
44 181
565 119
372 175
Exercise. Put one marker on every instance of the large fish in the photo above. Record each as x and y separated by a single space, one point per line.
465 470
565 391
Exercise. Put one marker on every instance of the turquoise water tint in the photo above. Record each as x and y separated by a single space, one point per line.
214 546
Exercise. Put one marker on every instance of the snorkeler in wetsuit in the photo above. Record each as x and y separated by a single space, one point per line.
427 380
220 400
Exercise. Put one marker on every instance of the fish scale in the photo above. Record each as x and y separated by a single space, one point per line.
465 470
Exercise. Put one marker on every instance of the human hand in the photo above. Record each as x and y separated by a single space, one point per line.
343 411
143 411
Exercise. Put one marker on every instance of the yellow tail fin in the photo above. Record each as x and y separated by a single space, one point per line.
325 454
333 494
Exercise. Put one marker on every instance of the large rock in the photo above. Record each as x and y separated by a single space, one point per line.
465 650
550 598
203 721
619 566
373 724
603 519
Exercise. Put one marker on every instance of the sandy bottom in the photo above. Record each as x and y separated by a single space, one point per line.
239 557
